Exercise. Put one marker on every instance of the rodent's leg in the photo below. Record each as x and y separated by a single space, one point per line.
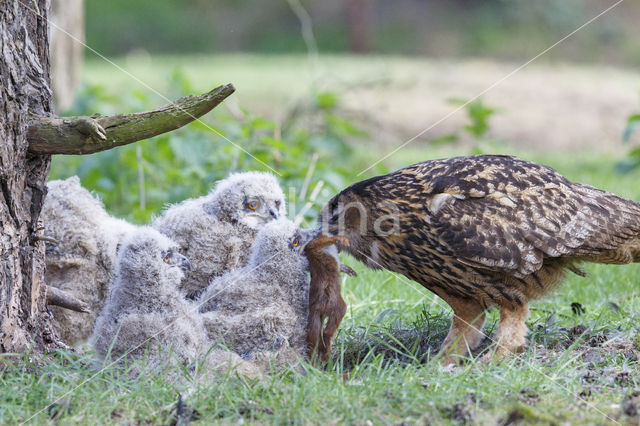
335 318
324 241
346 270
314 332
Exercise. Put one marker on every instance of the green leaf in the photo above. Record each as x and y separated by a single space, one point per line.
443 140
261 123
326 100
192 152
633 118
627 165
344 126
274 143
633 124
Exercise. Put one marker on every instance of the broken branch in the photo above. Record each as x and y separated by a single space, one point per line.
86 135
57 297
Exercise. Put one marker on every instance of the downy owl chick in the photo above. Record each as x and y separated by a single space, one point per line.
215 231
144 308
80 259
146 311
263 306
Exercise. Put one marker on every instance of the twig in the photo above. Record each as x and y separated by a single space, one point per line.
316 190
314 194
140 160
307 177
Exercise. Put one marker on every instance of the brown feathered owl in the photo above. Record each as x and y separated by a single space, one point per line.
483 231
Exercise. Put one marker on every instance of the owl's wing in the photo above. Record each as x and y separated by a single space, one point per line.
512 231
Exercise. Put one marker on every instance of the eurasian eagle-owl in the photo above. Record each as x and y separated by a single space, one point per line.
81 255
215 231
144 306
483 231
263 306
146 317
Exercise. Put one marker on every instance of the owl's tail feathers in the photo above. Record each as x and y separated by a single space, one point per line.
628 252
635 250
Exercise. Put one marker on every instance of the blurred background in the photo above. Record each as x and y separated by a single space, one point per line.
327 91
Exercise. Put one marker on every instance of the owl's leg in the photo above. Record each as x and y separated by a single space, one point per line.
511 333
466 329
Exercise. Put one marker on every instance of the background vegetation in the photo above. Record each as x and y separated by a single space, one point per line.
294 114
137 180
500 29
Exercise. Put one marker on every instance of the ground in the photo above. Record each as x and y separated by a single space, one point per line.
583 361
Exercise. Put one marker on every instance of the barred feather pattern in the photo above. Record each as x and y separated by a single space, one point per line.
492 228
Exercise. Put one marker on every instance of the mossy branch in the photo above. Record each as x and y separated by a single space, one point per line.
58 297
86 135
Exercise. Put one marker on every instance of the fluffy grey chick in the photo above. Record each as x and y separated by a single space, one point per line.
145 310
215 231
263 306
82 258
144 307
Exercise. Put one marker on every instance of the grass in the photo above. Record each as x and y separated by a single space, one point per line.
581 365
382 370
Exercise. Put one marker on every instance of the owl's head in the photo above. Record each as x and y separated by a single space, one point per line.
346 214
281 242
146 257
251 199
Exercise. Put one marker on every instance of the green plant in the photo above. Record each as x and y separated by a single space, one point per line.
478 114
477 129
633 124
633 157
136 181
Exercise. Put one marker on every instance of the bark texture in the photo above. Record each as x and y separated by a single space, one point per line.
29 133
24 91
86 135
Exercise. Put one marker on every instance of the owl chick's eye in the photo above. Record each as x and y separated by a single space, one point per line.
252 205
296 242
166 259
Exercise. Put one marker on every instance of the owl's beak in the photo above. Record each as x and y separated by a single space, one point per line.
185 265
308 235
273 213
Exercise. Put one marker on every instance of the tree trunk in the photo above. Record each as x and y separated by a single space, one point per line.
29 134
360 15
24 91
67 50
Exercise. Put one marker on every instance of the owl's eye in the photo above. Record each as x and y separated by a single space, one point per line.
252 205
296 242
166 259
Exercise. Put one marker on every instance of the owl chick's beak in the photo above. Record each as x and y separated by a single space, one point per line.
185 265
306 236
274 213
